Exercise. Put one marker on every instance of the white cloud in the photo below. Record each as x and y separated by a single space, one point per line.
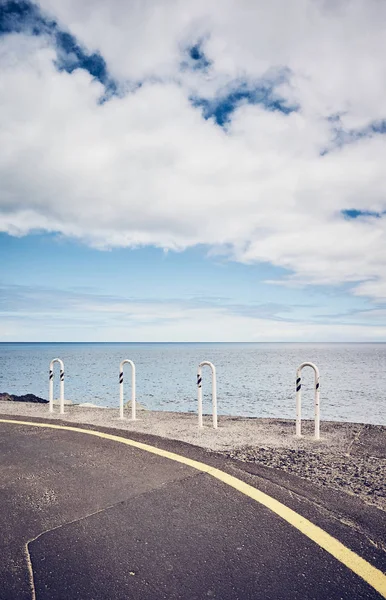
147 169
334 49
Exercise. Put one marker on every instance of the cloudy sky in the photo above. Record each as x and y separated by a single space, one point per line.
193 171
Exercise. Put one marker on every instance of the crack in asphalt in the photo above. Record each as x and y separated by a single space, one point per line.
84 517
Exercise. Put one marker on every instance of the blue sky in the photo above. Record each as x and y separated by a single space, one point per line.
57 289
191 182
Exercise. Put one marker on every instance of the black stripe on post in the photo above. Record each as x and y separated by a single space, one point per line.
61 375
51 374
317 386
120 377
199 379
299 388
298 380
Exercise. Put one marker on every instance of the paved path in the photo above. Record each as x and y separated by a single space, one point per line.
85 517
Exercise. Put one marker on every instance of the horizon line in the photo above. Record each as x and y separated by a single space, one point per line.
187 342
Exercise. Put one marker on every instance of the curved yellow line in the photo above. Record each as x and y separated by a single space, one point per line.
350 559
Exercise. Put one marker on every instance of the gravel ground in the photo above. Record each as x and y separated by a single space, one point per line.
350 457
364 476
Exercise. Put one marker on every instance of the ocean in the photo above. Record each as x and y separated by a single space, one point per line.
253 380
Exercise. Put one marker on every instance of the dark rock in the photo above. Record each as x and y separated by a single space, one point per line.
26 398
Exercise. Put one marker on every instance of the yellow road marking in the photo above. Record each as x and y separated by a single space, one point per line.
350 559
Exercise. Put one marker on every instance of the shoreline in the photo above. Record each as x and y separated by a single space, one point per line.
349 457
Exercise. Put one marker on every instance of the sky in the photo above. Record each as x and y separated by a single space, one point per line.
193 171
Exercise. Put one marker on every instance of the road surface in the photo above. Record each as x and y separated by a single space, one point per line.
88 517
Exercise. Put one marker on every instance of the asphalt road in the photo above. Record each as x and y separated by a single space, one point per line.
88 518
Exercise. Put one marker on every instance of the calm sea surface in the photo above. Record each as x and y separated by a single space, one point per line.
252 379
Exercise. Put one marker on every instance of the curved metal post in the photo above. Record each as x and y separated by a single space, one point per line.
133 414
214 393
51 386
299 399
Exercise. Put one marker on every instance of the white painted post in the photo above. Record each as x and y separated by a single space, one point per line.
62 390
298 403
299 399
51 386
214 393
51 389
317 404
214 398
133 407
199 381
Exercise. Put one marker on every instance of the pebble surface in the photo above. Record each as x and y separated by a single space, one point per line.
364 476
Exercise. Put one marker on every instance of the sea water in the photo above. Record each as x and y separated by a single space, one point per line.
254 380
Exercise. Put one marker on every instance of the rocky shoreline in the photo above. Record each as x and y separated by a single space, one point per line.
5 397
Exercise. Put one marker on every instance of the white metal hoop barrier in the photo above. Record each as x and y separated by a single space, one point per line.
299 399
133 415
51 386
214 393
